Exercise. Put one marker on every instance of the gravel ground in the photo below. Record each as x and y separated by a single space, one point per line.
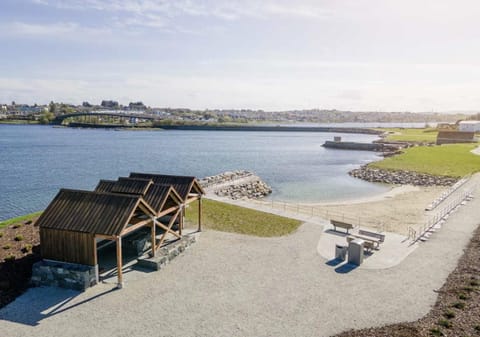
234 285
457 311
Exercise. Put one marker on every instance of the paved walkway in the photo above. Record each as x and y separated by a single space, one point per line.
476 151
235 285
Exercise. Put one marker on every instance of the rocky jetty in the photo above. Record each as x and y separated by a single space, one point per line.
253 190
236 185
224 177
401 177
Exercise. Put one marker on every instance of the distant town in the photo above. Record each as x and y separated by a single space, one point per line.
46 113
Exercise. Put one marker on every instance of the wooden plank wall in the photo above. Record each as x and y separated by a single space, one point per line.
66 246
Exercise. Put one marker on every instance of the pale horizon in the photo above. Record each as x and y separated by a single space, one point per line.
271 55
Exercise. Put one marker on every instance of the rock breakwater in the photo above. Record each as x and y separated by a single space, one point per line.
236 185
401 177
224 177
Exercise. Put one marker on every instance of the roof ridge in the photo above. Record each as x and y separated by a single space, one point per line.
100 193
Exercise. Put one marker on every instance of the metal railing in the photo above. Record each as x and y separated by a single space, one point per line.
421 231
314 211
447 193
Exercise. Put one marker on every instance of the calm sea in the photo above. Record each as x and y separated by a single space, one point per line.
36 161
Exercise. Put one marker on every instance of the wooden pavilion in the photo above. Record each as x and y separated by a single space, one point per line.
163 199
75 221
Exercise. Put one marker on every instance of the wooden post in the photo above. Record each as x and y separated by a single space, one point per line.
118 241
180 221
200 214
154 236
95 256
95 259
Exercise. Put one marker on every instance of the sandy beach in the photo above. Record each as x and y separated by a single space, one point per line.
393 211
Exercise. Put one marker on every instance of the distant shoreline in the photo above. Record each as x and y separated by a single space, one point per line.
261 128
274 128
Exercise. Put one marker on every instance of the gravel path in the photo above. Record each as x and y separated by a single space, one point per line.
234 285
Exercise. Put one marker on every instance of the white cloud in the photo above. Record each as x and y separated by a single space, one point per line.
22 28
149 11
69 30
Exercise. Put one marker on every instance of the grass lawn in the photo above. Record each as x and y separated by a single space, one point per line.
17 121
454 160
412 135
230 218
19 219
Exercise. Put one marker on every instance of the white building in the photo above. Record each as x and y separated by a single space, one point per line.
469 126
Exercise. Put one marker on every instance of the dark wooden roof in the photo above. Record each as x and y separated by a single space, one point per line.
182 184
105 186
124 185
132 185
90 212
155 195
158 195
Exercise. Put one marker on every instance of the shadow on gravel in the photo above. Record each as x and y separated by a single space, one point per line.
41 303
346 268
342 266
334 262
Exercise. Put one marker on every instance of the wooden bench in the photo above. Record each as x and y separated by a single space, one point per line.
369 242
380 237
341 224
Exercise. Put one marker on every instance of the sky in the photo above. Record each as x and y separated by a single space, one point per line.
363 55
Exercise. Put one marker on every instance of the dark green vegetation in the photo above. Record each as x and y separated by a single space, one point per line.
230 218
453 160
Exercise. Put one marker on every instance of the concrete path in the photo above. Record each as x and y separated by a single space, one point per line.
391 252
235 285
476 151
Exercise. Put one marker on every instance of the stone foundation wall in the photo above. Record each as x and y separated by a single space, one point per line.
65 275
166 254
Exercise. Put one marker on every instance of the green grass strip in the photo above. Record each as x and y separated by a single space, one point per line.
19 219
235 219
453 160
425 135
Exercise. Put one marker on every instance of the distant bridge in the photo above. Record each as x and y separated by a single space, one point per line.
60 118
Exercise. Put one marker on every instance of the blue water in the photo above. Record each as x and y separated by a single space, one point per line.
36 161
